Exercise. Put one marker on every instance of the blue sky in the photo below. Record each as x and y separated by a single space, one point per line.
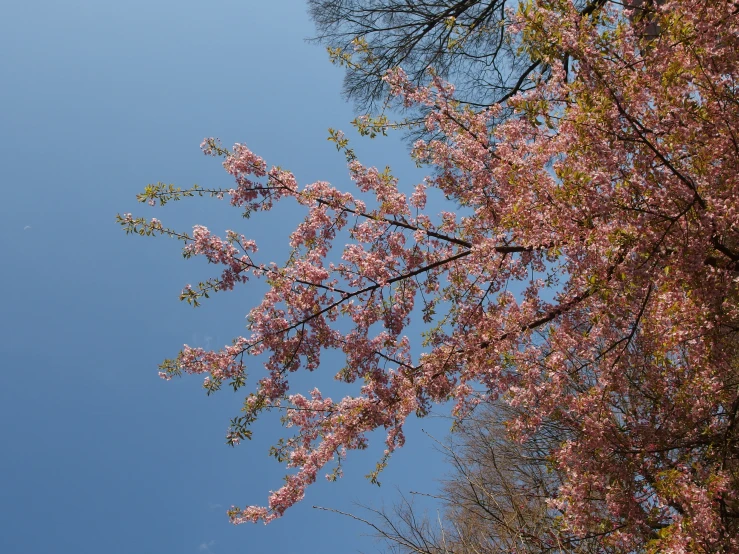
98 99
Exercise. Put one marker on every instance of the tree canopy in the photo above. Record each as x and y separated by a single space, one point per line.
586 273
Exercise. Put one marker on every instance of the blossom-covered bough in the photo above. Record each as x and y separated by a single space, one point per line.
611 197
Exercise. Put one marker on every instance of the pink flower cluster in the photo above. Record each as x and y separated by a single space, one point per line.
219 251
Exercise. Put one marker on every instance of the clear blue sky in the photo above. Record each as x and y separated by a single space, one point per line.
98 99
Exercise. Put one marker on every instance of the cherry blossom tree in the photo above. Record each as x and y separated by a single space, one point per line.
586 274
